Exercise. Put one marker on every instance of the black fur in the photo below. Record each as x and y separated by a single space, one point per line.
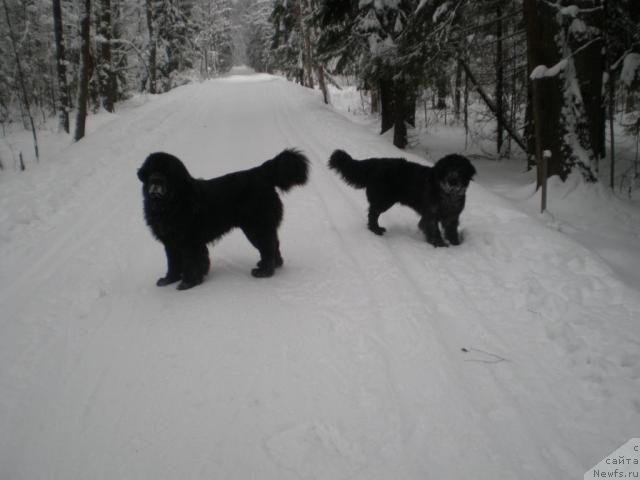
436 193
185 213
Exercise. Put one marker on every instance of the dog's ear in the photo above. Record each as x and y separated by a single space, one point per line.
143 174
470 171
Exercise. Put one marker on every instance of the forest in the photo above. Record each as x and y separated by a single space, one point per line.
571 67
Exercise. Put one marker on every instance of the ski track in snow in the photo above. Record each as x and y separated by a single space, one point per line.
348 363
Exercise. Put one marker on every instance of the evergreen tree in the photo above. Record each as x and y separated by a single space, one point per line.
61 68
288 42
259 32
569 95
375 35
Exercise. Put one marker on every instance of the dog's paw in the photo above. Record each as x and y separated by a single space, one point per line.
278 263
377 229
261 272
187 285
164 281
438 243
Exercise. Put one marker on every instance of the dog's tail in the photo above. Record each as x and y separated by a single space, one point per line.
290 167
354 172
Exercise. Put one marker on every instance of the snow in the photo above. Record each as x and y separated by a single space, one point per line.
542 71
570 11
514 355
630 68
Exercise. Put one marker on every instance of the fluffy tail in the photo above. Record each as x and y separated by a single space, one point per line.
354 172
290 167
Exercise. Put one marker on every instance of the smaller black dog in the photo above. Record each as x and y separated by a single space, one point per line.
186 213
436 193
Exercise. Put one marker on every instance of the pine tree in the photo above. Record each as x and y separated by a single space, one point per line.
61 67
288 41
374 35
259 32
105 69
569 96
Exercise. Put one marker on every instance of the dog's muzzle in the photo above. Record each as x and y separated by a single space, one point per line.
453 189
157 191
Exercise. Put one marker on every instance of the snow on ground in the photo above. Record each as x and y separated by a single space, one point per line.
515 355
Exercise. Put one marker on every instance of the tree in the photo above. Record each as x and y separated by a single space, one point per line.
152 45
288 40
565 60
375 37
105 70
85 70
21 76
259 32
61 66
213 35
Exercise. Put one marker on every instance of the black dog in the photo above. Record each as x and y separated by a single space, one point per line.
436 193
185 213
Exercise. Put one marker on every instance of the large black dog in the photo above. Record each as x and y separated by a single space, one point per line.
436 193
186 213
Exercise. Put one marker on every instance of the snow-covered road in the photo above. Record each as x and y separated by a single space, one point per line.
513 356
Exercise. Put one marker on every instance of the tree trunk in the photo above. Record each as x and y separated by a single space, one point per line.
152 46
457 94
499 81
509 128
410 106
571 106
385 87
85 67
541 50
61 67
442 90
307 61
21 79
400 114
108 86
590 65
322 84
375 100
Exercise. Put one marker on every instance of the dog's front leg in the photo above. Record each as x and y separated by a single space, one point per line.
173 266
450 226
195 264
429 226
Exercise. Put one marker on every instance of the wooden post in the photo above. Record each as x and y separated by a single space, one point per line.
537 118
542 157
546 155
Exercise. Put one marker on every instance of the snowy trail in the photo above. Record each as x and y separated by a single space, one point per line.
346 364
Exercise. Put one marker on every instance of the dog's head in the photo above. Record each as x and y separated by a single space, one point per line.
453 174
163 176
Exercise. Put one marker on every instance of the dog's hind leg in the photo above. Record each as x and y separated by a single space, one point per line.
378 204
279 260
375 210
267 244
372 221
278 257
